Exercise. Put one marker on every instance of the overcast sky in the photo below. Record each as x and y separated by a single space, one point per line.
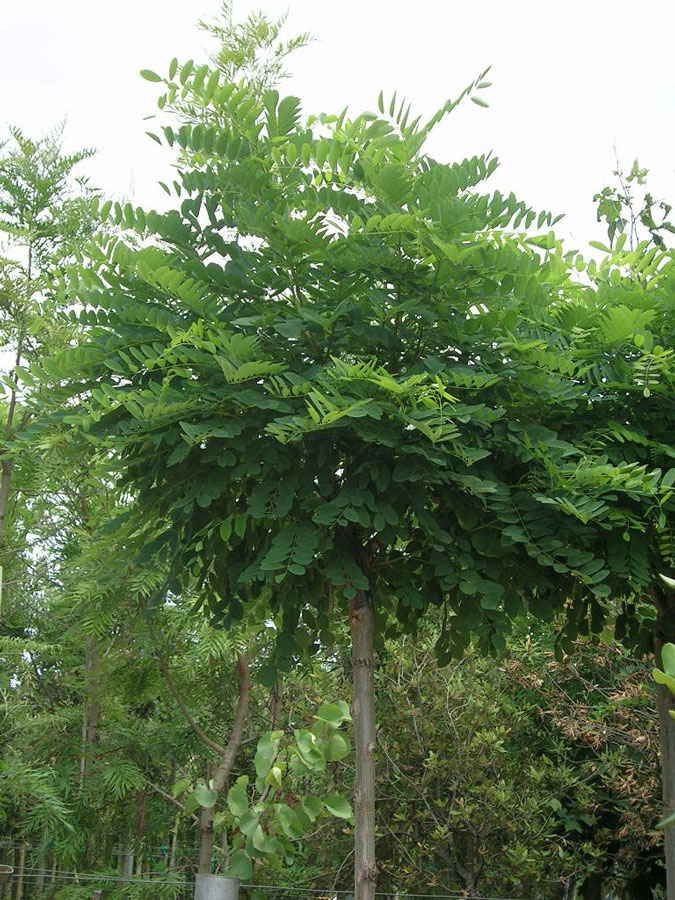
570 82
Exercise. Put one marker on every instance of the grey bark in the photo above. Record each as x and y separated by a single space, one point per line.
362 626
18 875
94 691
91 704
174 844
276 699
41 862
224 767
5 485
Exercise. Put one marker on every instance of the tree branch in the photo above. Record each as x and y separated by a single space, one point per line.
227 761
171 799
203 737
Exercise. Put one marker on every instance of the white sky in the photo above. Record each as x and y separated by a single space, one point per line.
570 80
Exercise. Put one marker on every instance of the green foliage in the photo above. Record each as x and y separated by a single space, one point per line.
666 676
336 366
324 372
484 765
259 822
251 49
617 207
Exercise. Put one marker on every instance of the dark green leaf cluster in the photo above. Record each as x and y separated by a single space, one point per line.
327 371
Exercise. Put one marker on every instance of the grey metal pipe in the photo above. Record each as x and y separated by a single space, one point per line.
216 887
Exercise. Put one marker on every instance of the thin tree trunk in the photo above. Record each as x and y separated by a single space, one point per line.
362 626
666 702
570 891
224 767
18 890
276 698
139 832
94 692
5 485
41 861
592 887
91 704
8 461
206 835
85 718
7 888
174 843
83 746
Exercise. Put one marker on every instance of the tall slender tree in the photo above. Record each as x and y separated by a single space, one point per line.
44 219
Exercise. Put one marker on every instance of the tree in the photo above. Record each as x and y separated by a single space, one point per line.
311 376
44 218
617 358
488 764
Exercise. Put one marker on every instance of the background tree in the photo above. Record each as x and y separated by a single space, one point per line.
619 364
44 219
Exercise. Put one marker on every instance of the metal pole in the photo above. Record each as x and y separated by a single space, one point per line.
216 887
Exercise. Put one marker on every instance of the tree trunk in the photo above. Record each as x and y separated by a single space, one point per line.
592 887
174 843
206 833
94 692
18 890
666 702
5 485
224 767
276 698
91 703
139 832
570 890
10 860
361 621
41 862
8 461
